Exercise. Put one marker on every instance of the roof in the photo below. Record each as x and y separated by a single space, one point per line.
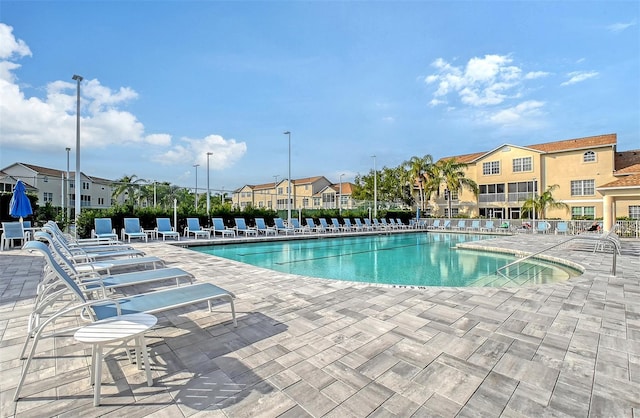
549 147
626 181
44 170
347 188
627 162
307 180
578 143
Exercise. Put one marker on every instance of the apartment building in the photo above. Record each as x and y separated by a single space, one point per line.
306 193
54 187
592 177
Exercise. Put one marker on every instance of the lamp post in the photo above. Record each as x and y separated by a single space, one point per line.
535 197
154 194
375 188
340 201
289 186
196 166
208 190
66 188
222 196
77 180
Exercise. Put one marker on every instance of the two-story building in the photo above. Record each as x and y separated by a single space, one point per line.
307 193
592 178
54 187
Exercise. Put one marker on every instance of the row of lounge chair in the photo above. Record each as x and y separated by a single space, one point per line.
86 277
103 229
492 226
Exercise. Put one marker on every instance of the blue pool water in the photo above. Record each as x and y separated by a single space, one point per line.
414 259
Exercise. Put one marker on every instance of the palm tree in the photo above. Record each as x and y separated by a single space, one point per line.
416 169
128 185
451 173
541 203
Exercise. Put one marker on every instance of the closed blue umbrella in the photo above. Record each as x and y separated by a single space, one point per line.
20 206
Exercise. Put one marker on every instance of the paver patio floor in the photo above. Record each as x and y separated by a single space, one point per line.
312 347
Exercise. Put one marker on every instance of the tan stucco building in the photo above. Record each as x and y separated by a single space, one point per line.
593 179
307 193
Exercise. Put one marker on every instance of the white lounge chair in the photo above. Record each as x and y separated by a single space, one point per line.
158 301
219 228
280 227
103 229
11 231
164 229
262 227
242 228
132 229
193 227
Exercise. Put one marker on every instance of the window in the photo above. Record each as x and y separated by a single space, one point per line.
316 201
305 202
583 188
47 197
85 185
634 212
491 167
491 193
454 212
454 195
589 157
45 179
522 164
101 200
71 184
279 190
583 212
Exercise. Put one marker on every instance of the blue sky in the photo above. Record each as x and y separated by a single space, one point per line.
167 82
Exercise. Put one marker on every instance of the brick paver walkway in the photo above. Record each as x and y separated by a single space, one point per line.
311 347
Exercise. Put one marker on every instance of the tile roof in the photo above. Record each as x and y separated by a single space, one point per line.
44 170
307 180
549 147
626 181
627 162
578 143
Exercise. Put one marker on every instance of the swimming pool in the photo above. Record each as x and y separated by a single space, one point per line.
413 259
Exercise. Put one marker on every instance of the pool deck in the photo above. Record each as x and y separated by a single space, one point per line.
311 347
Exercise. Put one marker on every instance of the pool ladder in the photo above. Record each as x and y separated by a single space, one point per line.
597 242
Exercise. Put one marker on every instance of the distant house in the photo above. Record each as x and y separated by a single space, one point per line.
52 186
306 193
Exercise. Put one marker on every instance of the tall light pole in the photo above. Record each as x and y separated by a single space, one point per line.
375 188
340 201
77 182
208 190
290 183
66 194
196 166
535 197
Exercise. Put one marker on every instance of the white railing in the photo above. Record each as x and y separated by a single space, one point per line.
625 229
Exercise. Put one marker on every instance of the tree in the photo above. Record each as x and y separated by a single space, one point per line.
543 202
451 174
129 186
416 168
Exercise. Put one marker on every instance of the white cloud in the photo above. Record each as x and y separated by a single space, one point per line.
225 152
489 80
532 75
520 113
48 123
578 76
11 46
388 119
619 27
